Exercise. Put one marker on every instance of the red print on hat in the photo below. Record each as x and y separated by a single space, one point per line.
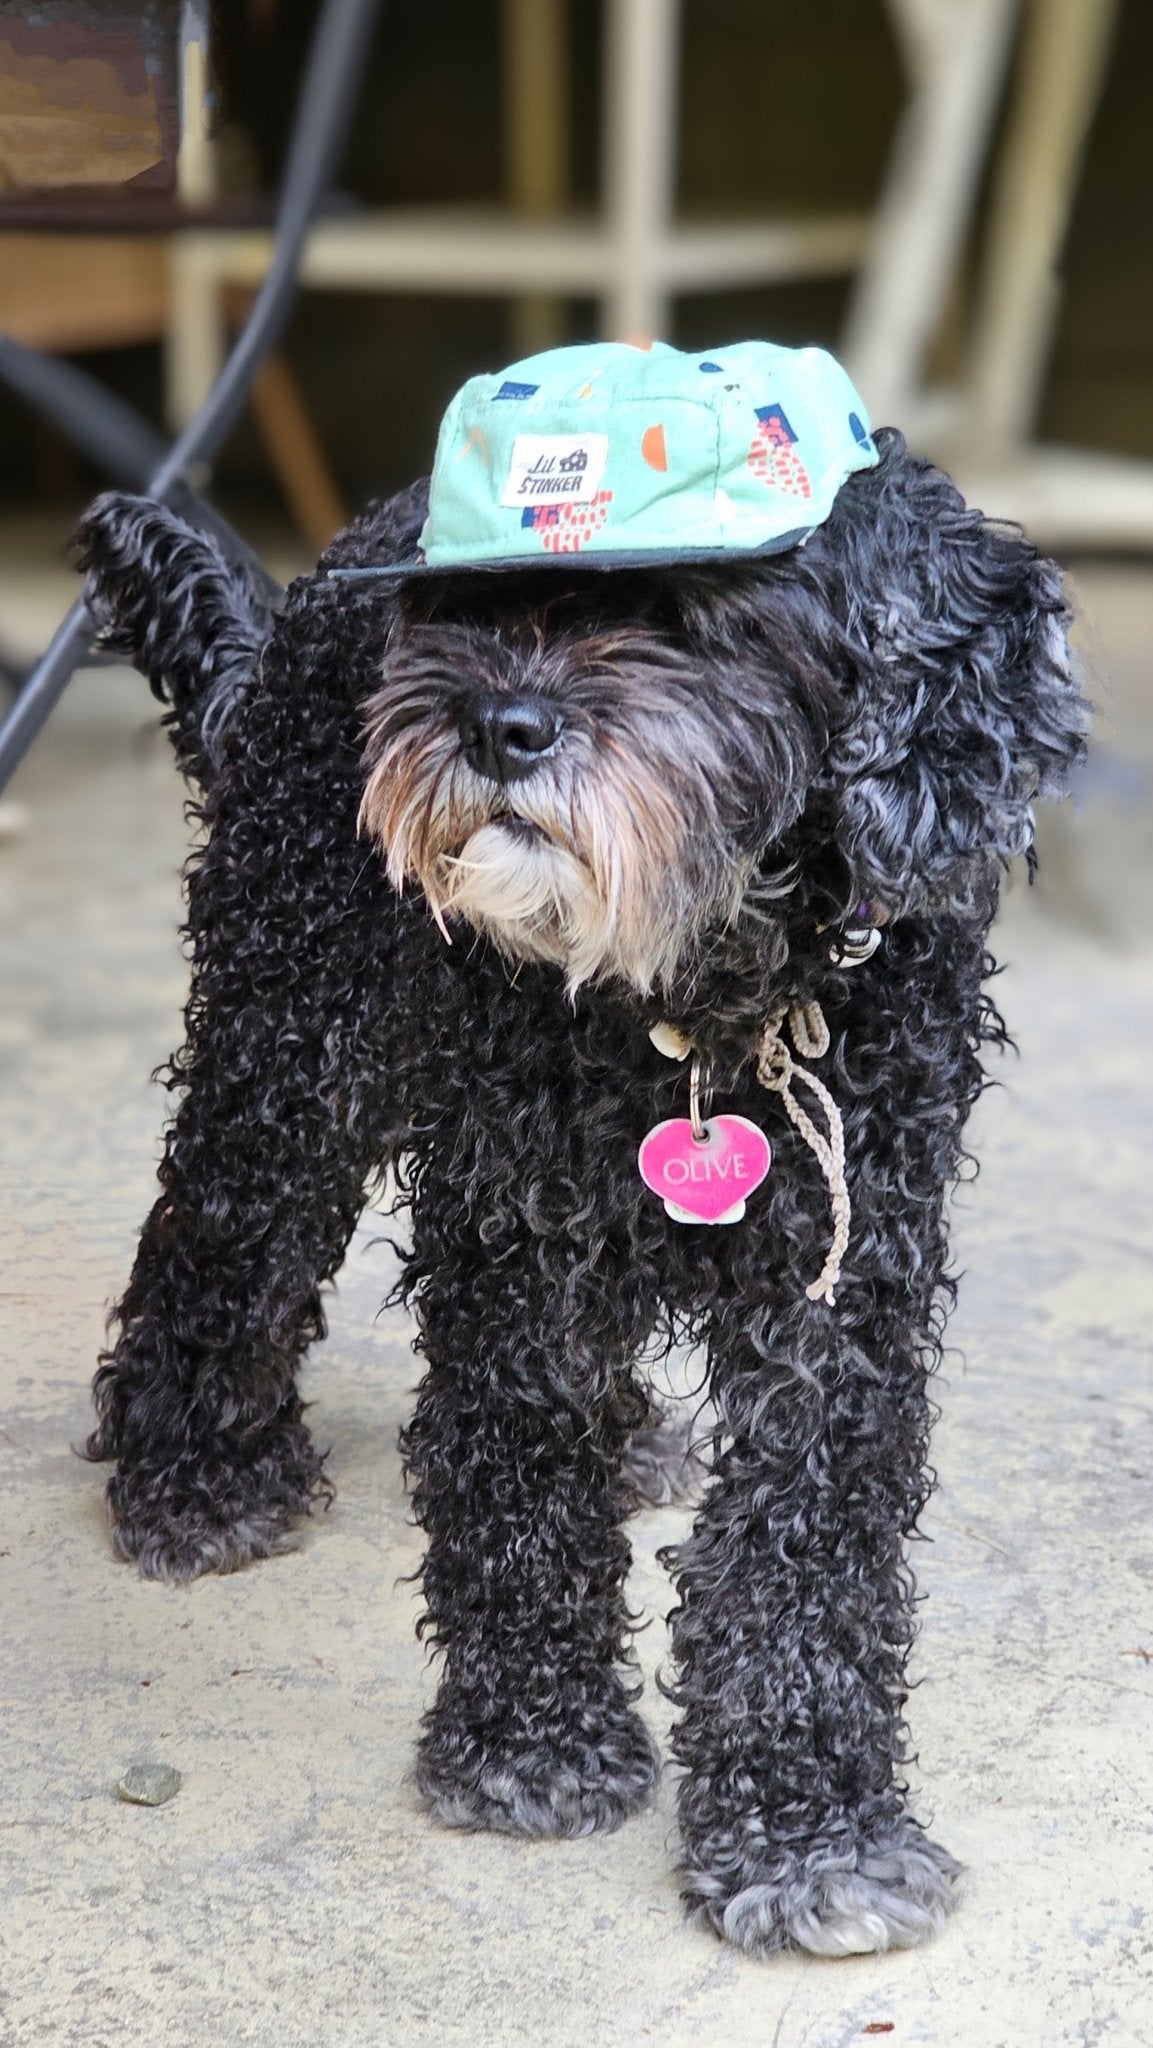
564 529
773 457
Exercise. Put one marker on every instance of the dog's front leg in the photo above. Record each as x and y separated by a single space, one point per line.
791 1638
796 1593
516 1450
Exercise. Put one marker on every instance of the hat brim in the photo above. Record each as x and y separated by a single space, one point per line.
619 558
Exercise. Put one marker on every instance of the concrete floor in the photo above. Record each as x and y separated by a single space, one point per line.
293 1892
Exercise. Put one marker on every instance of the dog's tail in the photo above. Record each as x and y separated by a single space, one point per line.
166 598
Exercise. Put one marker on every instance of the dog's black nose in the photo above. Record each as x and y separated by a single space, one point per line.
505 737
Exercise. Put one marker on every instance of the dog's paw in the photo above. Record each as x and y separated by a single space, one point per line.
180 1547
193 1515
838 1900
538 1791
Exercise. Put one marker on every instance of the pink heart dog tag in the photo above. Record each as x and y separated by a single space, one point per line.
705 1180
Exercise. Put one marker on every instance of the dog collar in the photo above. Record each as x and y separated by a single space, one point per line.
704 1167
699 1164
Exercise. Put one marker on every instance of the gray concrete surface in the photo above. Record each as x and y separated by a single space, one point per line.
293 1893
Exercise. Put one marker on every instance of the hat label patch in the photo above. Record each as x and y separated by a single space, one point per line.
555 469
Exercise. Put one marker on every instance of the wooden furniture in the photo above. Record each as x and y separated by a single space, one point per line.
634 257
77 101
982 427
175 475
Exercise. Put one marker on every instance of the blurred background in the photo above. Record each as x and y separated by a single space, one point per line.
935 152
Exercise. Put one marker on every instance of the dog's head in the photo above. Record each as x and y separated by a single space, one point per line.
581 767
605 770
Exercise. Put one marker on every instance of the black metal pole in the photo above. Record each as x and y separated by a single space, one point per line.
331 82
116 438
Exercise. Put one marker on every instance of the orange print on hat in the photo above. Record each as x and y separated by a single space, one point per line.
653 448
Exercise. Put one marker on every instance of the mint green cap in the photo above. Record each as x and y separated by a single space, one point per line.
608 455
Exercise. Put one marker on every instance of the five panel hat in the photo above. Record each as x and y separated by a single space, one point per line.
606 455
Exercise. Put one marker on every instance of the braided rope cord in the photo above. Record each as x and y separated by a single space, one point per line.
777 1070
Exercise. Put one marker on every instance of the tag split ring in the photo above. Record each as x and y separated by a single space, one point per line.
699 1085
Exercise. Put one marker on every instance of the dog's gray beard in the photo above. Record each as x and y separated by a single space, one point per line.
595 868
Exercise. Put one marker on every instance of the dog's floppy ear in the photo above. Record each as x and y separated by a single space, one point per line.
386 531
165 597
962 705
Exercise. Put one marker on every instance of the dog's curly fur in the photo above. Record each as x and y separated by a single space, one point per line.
747 751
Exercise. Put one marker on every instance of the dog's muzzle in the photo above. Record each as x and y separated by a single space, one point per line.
580 823
505 738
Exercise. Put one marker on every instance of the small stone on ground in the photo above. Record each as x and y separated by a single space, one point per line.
149 1784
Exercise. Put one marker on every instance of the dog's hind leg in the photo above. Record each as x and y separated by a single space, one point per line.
262 1183
796 1595
291 1102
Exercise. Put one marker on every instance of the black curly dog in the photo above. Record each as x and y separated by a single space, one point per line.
628 798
